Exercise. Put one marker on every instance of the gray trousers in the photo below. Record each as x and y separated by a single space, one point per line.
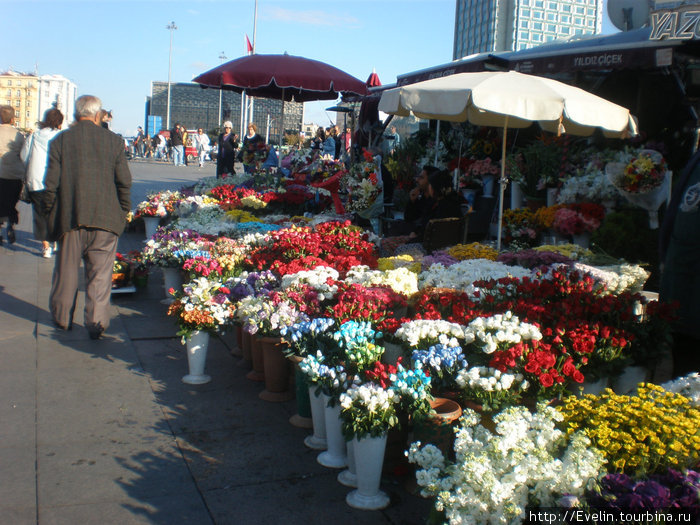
97 249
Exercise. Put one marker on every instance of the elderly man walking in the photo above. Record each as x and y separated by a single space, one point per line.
87 197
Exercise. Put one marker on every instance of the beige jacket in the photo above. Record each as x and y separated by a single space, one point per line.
11 142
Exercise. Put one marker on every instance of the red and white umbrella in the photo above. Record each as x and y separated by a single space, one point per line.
373 80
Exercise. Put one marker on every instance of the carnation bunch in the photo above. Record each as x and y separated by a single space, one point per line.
495 476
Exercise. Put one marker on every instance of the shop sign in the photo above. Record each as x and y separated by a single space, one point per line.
682 23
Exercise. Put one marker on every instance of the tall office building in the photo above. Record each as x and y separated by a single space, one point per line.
483 26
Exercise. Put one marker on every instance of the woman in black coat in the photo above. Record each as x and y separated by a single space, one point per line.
226 154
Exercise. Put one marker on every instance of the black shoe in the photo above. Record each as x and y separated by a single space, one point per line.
11 236
95 331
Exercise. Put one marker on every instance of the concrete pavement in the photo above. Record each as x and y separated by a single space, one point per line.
105 432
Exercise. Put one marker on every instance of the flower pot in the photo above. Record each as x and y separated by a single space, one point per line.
317 440
628 380
197 346
348 477
582 239
276 367
489 184
369 455
552 194
151 225
258 371
171 279
437 427
392 352
335 455
516 196
302 419
246 349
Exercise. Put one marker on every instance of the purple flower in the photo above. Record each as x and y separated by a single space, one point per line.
653 494
219 298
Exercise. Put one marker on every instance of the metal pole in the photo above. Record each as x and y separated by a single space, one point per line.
171 27
255 31
503 182
222 57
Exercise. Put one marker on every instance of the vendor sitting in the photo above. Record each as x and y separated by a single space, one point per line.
441 202
418 203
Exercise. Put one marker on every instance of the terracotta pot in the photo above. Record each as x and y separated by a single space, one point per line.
258 371
437 427
277 370
246 350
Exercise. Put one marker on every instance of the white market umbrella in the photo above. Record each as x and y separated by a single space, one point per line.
509 99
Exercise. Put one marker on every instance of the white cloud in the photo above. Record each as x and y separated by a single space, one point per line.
314 18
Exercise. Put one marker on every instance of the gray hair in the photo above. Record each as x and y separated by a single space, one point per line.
228 124
87 106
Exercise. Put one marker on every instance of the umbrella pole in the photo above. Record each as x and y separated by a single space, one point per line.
437 142
503 182
279 156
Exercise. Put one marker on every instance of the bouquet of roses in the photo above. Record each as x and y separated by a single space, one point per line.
202 304
643 179
364 185
574 219
368 410
327 372
442 363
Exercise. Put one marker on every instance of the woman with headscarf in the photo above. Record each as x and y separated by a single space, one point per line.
226 153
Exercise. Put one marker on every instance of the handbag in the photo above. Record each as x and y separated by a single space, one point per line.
24 194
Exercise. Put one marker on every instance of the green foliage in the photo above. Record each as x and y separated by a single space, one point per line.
625 234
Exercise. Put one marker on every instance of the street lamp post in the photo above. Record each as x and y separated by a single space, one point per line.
171 27
222 57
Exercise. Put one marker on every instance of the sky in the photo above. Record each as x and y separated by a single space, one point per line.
114 49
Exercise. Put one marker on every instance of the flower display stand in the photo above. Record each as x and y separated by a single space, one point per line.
171 279
628 380
258 371
348 477
317 440
277 371
197 346
335 455
369 456
302 419
437 427
151 225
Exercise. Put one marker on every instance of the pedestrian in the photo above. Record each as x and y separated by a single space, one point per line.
11 171
253 143
186 141
177 145
328 147
139 143
35 154
226 151
391 141
87 198
201 142
679 242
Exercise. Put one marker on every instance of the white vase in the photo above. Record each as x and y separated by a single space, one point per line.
582 239
197 346
171 279
489 183
552 194
369 458
151 224
348 477
594 387
335 456
628 380
516 196
317 440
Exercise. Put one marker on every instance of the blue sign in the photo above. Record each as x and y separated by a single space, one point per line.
153 124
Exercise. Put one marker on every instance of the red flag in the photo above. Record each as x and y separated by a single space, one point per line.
249 46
